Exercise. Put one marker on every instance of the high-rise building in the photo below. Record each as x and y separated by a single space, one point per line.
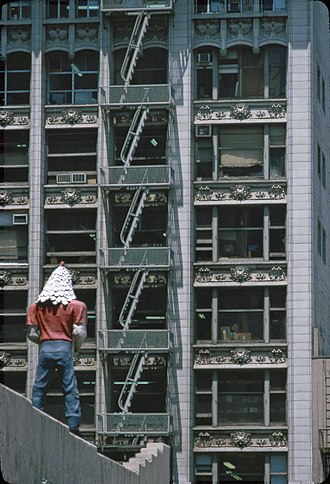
175 154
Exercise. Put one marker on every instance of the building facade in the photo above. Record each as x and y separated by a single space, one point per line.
175 156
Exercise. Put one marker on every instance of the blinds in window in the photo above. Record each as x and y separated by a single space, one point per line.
241 148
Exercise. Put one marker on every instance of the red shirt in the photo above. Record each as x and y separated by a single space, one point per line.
56 322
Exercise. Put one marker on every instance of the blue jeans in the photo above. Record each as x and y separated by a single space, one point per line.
57 354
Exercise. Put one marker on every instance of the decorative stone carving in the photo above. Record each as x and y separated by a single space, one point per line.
277 356
205 194
5 278
57 35
205 113
203 275
75 276
277 274
72 116
278 439
87 34
273 28
156 32
18 36
276 192
240 356
240 111
240 192
5 197
240 439
276 111
204 439
4 359
207 30
121 32
204 357
71 196
78 361
240 274
6 118
239 30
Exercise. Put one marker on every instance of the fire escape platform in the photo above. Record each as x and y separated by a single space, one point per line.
117 341
152 95
136 258
157 6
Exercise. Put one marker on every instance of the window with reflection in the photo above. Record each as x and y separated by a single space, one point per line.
72 82
15 79
20 10
243 314
241 73
87 8
57 8
255 151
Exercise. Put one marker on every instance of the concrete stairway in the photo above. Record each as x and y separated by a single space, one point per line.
36 448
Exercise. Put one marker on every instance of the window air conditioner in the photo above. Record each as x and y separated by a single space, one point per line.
204 57
71 178
19 219
78 178
204 131
63 178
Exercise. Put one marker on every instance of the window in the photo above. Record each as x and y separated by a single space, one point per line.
151 148
12 316
13 239
71 156
223 6
321 242
242 73
243 314
20 10
14 146
273 5
15 79
278 469
87 8
244 151
243 232
320 88
241 150
244 397
321 166
72 83
57 8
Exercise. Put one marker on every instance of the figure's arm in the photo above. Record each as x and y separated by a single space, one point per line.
79 334
33 334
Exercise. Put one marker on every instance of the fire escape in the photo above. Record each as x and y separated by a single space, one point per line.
137 181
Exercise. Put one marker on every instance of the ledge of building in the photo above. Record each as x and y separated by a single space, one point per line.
36 448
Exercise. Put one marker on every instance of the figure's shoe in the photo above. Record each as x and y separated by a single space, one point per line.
75 431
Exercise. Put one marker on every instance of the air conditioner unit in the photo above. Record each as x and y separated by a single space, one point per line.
20 219
204 57
71 178
63 178
203 131
78 178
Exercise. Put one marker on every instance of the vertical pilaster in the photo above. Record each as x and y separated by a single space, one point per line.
300 249
181 281
36 175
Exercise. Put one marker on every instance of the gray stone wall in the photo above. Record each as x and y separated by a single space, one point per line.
35 448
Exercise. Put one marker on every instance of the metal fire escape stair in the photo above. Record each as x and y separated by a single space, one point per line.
133 135
133 216
132 298
131 381
134 47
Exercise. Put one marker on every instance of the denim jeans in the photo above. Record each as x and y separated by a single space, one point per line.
57 354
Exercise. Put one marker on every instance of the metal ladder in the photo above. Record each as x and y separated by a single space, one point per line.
132 298
131 381
134 133
133 216
134 46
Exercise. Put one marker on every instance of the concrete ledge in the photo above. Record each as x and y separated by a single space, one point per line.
36 448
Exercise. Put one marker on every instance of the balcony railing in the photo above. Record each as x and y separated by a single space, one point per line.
135 258
159 176
133 340
149 95
133 423
124 5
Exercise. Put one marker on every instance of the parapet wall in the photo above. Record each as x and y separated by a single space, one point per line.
36 449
